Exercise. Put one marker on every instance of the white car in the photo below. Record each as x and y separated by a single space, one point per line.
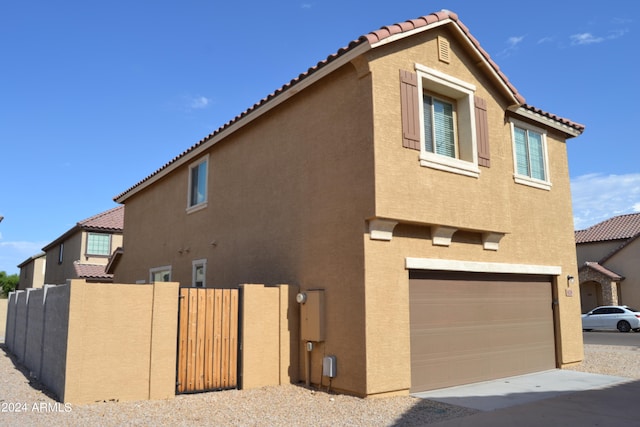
611 317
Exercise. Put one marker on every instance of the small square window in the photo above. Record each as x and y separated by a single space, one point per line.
160 274
98 244
199 273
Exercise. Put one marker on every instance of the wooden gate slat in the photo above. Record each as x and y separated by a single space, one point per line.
207 339
183 323
208 354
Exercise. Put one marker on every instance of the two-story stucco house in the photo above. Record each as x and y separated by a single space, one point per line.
83 251
406 178
32 271
608 254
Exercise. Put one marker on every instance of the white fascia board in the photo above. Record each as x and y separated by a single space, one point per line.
480 267
546 121
251 116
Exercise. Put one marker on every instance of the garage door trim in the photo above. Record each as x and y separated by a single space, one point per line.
480 267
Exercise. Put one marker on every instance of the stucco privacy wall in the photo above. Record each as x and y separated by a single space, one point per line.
270 331
3 316
101 341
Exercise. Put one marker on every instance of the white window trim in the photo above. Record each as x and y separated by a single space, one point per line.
523 179
451 87
197 263
157 269
203 204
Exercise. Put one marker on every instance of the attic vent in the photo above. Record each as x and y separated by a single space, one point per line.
443 49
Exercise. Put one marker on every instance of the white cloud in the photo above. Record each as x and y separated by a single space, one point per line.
588 38
585 38
305 5
514 41
199 102
547 39
597 197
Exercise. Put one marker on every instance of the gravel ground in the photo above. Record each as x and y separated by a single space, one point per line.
25 403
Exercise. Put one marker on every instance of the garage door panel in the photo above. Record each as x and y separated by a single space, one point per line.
469 328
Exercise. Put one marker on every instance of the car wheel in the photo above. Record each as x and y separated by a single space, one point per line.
636 330
624 326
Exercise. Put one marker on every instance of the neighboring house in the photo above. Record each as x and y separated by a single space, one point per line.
608 254
83 251
406 178
32 271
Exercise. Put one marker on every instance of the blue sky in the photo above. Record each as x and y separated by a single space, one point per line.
95 96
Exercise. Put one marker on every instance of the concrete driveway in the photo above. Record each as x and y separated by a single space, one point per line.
551 398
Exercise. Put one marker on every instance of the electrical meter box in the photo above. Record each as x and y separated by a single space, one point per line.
312 316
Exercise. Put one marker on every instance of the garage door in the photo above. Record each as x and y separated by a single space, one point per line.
470 327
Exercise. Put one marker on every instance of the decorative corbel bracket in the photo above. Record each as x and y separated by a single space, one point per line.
441 235
381 229
491 241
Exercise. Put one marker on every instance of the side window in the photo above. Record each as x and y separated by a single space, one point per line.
617 311
600 311
530 155
160 274
199 268
442 119
198 175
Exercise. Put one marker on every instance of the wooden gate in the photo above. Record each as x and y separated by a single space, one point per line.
207 340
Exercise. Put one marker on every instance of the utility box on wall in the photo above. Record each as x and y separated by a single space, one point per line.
312 316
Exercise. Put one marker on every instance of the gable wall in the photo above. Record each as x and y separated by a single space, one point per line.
538 224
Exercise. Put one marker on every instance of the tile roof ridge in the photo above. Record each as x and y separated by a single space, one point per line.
113 212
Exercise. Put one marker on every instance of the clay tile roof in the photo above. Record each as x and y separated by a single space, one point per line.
617 228
600 269
577 126
91 271
370 38
111 220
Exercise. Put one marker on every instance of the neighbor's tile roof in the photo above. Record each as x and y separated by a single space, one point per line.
602 270
617 228
370 38
91 271
111 220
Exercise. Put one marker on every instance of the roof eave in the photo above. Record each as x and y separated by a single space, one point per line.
214 138
569 131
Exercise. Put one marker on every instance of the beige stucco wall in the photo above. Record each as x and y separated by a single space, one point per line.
594 252
289 196
32 273
3 316
625 263
98 342
270 330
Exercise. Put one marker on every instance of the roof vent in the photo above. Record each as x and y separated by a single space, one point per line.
443 49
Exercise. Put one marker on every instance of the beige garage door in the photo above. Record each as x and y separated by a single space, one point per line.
468 327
